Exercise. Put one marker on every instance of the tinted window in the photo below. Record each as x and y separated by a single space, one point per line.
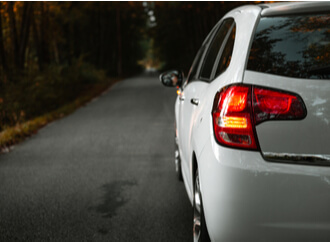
227 53
196 63
293 46
194 67
214 48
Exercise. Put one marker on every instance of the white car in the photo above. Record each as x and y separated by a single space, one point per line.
253 125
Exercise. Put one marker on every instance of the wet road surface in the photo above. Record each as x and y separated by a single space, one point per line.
104 173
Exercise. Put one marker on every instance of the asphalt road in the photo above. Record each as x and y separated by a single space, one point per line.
104 173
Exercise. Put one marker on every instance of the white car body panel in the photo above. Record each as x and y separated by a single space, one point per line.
256 200
309 136
187 112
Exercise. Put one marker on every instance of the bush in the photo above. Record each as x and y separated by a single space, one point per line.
35 94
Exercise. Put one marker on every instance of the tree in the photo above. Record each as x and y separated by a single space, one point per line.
2 50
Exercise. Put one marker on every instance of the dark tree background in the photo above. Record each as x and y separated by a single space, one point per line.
53 52
113 36
183 26
35 35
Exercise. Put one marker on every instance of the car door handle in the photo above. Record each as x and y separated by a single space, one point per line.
194 101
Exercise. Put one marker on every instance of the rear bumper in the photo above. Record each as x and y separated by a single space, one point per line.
249 199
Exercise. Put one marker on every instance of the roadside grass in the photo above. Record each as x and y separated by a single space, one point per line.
17 133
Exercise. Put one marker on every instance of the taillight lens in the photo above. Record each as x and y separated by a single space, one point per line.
232 120
238 108
276 105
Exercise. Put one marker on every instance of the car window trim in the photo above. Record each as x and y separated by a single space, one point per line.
195 64
204 49
221 49
217 60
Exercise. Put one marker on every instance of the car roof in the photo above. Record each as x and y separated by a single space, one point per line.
286 8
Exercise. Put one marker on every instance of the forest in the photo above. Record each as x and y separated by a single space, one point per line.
54 56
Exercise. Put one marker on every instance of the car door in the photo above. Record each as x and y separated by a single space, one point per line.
193 93
191 89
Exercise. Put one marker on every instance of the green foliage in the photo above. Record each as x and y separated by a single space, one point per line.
38 93
14 134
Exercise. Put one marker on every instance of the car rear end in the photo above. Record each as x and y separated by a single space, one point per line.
270 155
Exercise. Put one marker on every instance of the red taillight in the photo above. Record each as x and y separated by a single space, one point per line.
232 120
276 105
238 108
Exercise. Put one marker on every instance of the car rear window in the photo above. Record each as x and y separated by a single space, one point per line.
293 46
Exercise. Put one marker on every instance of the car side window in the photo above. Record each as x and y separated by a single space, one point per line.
195 65
192 75
226 55
214 48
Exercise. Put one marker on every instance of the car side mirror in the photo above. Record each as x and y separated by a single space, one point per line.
173 78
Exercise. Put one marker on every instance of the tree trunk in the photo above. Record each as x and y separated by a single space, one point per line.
37 44
40 39
13 30
101 35
20 42
119 44
44 39
2 50
24 33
